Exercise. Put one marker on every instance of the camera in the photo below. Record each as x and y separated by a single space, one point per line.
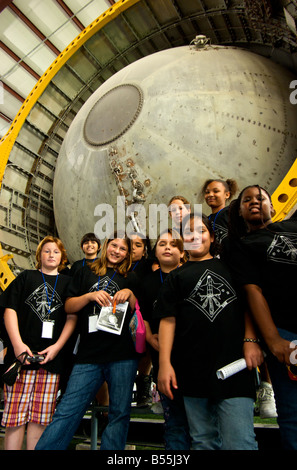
35 358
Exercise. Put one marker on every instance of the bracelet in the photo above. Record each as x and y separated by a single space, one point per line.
251 340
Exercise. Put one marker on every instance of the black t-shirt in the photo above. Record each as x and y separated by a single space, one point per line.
101 346
148 296
268 259
80 264
142 267
209 329
219 222
29 297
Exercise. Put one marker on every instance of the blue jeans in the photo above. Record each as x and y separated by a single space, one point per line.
84 382
221 425
176 429
285 393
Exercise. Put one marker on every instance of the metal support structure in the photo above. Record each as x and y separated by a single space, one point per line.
8 141
284 197
6 275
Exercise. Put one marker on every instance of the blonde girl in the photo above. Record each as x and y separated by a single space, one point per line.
102 356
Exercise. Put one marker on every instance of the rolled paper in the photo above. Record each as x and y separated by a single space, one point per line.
231 369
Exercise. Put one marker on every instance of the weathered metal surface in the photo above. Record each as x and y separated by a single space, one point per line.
205 112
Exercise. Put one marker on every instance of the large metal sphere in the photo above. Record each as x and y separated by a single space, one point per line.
166 123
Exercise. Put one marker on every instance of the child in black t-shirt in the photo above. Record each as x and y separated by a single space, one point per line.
178 208
141 266
202 328
106 354
264 260
141 248
217 193
36 322
170 255
90 246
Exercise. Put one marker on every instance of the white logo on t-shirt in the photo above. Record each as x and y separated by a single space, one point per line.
105 284
221 233
283 248
39 301
211 294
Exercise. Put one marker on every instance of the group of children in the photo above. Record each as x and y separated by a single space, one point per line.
204 307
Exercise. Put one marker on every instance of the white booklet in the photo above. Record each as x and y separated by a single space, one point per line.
111 319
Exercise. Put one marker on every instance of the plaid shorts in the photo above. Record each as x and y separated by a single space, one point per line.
31 399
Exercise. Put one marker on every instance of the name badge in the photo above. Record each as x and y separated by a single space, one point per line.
92 323
47 329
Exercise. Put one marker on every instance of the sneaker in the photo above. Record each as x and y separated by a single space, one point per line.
143 387
157 408
266 402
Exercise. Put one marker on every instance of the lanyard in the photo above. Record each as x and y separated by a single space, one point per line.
49 302
89 260
214 220
135 265
161 276
107 283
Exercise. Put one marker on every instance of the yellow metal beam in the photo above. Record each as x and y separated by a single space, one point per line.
7 142
284 197
6 275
